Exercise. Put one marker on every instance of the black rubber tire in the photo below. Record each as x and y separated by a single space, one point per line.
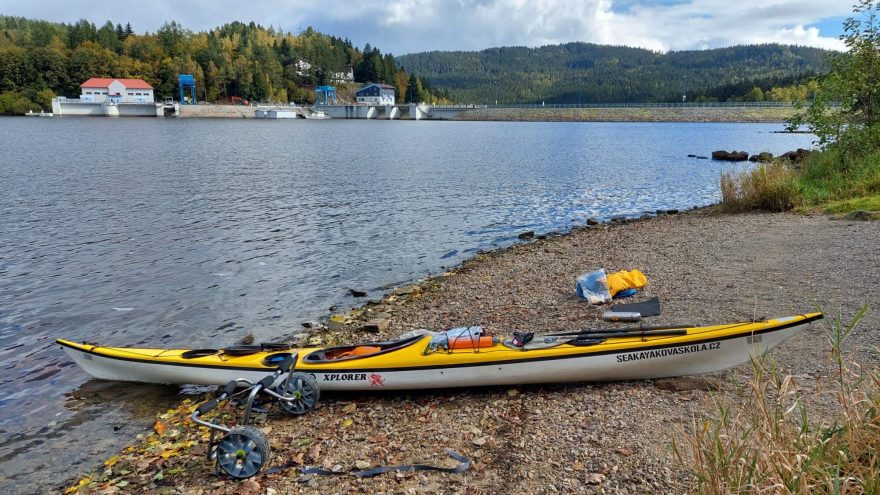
242 452
304 385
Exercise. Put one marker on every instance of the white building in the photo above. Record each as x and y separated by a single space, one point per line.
376 94
346 76
99 89
302 67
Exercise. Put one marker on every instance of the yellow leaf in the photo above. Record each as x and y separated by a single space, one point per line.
348 422
160 427
111 461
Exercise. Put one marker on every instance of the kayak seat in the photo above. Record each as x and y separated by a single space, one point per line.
344 353
359 351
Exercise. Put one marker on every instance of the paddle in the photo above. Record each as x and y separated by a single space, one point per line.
647 333
640 328
593 337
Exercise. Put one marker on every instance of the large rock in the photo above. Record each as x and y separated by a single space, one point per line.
730 156
797 156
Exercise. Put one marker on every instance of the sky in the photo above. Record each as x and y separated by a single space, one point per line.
406 26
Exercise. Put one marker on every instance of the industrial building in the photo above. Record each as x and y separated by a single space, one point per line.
99 90
376 94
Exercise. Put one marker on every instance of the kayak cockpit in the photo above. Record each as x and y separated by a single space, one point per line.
349 352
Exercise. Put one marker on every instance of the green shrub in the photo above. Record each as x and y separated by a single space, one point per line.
15 103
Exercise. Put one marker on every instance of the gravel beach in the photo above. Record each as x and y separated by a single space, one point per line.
581 438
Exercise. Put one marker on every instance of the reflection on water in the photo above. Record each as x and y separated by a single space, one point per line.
192 233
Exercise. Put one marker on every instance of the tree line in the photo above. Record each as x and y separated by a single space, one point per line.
41 59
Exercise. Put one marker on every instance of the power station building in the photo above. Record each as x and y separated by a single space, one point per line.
375 94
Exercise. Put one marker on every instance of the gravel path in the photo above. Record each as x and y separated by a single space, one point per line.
581 438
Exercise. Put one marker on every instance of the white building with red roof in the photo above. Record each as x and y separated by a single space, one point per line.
100 89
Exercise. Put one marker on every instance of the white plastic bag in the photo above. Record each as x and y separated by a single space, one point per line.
593 287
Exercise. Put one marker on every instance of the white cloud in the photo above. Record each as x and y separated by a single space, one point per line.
402 26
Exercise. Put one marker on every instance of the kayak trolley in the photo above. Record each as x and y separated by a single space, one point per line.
242 450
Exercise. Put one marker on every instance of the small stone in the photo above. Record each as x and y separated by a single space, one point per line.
527 235
480 441
595 478
592 221
862 216
376 325
404 291
625 451
357 293
362 465
336 322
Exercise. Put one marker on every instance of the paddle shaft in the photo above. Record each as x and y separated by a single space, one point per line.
640 328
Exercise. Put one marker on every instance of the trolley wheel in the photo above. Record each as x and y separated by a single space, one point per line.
242 452
305 391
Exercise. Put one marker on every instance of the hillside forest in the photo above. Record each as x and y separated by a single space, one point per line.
40 59
590 73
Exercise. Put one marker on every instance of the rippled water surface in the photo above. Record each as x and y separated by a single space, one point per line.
193 233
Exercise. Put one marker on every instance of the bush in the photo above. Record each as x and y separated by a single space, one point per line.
15 103
768 186
766 443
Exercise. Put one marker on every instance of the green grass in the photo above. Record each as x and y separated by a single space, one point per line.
824 179
864 203
822 182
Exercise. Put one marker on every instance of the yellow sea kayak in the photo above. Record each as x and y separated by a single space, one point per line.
417 362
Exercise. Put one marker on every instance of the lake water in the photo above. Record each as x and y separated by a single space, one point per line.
193 233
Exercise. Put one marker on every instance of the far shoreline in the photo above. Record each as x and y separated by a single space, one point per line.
695 114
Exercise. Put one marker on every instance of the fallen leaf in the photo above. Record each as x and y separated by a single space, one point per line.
348 422
626 452
513 392
379 438
111 461
315 453
160 427
350 408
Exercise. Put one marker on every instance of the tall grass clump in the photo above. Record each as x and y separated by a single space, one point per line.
767 443
768 186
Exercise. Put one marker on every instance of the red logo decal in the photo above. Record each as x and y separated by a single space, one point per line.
376 380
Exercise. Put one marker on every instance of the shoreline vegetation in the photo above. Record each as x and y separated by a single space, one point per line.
616 437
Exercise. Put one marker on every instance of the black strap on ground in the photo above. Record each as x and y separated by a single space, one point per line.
464 465
651 307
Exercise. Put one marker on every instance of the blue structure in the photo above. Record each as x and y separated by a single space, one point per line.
187 81
325 95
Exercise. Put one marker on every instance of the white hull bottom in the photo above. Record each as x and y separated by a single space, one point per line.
677 360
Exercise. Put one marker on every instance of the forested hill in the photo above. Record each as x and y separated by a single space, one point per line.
39 59
601 73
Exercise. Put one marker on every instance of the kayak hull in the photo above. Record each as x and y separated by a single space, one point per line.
702 350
